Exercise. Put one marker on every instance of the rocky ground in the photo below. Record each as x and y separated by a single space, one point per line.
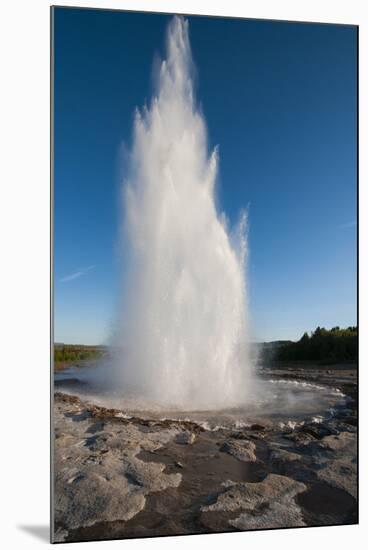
118 476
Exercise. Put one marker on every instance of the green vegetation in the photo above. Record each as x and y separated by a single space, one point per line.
67 354
328 346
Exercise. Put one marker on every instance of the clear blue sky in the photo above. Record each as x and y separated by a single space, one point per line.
279 100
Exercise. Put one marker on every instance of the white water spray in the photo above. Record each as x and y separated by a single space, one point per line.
183 327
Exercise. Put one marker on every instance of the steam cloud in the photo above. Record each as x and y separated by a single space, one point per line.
182 337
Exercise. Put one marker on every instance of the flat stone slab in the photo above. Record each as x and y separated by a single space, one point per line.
264 505
241 449
337 465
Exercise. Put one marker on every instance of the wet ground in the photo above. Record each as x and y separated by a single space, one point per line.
119 476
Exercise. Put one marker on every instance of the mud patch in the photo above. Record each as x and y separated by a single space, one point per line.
323 504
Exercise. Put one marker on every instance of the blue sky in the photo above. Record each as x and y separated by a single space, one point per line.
280 101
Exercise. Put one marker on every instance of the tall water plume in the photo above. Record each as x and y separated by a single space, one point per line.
183 323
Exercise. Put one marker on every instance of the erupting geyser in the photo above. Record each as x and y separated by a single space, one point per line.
183 325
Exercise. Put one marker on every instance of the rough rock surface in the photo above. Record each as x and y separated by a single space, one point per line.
97 474
269 503
284 456
242 450
336 459
185 438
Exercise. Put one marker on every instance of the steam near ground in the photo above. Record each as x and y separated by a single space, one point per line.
275 401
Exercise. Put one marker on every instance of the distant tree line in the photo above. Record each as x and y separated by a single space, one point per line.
69 353
335 345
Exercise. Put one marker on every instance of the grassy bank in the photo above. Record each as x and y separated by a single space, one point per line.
69 354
